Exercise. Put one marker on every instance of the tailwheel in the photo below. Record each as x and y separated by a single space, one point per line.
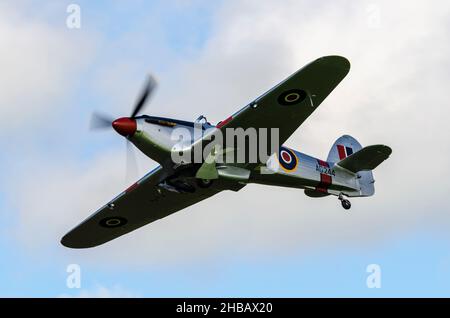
346 204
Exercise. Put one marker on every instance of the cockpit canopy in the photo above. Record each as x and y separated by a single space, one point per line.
169 122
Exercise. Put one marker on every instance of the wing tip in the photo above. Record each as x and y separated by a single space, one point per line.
336 61
69 242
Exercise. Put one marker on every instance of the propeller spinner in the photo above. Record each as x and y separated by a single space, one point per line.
125 126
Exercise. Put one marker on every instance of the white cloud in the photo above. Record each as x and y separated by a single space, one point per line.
394 94
38 66
58 195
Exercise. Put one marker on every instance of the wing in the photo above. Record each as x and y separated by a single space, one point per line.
142 203
289 104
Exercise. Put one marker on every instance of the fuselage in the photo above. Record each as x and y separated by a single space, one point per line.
161 138
291 168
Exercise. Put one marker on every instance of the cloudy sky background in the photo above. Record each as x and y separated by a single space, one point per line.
212 58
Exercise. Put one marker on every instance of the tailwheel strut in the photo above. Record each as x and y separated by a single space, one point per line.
344 202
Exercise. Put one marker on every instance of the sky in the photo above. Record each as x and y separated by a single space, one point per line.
211 58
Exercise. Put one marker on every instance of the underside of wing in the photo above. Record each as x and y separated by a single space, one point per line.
142 203
289 104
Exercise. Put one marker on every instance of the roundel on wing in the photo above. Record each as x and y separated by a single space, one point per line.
291 97
114 221
287 158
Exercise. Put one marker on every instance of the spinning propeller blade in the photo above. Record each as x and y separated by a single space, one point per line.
132 166
100 121
146 93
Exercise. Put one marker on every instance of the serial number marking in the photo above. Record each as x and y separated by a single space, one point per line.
246 307
325 170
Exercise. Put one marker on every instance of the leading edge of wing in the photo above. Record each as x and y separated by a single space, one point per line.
330 61
327 71
339 63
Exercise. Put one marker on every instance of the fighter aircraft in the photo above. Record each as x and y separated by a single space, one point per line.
173 186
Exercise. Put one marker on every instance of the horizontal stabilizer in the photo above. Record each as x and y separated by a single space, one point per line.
366 159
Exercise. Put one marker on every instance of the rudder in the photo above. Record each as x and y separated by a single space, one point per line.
346 146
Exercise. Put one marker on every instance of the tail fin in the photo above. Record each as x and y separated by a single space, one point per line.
348 153
343 147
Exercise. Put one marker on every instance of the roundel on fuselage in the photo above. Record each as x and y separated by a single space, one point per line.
287 158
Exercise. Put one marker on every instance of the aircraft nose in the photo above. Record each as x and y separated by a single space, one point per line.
125 126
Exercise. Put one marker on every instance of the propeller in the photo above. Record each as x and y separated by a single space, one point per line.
100 121
146 93
126 126
132 170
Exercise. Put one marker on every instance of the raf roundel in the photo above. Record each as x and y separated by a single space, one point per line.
114 221
287 158
291 97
